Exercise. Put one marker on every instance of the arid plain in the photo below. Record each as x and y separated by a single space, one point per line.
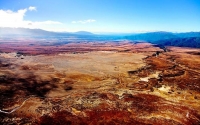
99 83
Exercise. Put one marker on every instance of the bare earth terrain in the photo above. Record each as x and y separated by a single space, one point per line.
95 83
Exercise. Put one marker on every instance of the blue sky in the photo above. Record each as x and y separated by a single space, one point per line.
102 15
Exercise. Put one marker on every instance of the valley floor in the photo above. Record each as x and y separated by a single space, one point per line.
99 83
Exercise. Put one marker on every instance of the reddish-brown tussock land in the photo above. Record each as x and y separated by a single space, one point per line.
98 83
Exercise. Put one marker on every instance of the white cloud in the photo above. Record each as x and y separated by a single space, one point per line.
10 18
31 8
8 15
16 19
84 21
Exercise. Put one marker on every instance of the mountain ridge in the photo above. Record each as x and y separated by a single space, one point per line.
185 39
27 31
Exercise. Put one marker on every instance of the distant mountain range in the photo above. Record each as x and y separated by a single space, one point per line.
193 42
155 36
83 33
22 32
37 32
188 39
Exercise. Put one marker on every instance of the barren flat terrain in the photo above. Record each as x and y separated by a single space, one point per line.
99 83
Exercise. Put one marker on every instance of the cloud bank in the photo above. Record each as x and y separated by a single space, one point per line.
16 19
84 21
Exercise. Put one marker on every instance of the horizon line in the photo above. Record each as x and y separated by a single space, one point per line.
104 32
